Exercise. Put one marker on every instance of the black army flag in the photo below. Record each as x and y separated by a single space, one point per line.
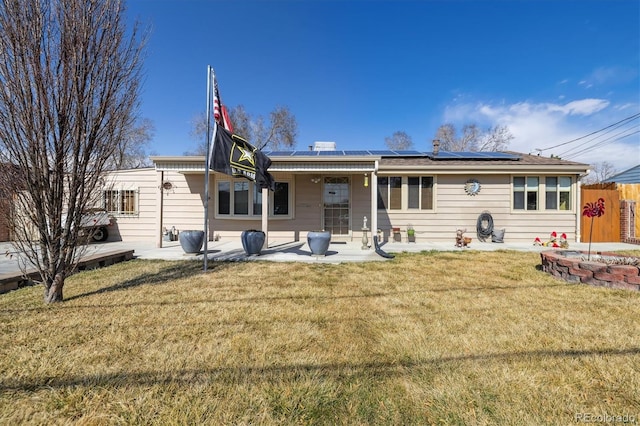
232 155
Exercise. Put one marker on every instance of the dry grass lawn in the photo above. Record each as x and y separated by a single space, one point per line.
428 338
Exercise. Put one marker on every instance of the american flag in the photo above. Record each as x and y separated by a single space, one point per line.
220 111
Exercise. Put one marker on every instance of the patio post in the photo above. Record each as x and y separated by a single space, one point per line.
160 206
265 216
374 201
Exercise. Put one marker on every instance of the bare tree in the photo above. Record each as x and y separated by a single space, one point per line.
131 152
279 132
399 141
496 138
473 139
600 172
70 75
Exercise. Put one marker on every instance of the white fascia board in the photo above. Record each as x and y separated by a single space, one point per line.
484 170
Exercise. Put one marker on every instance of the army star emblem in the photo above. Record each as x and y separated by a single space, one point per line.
246 155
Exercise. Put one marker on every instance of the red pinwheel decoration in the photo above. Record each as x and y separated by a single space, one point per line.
593 210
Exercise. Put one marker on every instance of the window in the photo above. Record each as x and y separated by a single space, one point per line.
281 199
123 201
242 198
383 193
224 198
418 193
558 193
525 193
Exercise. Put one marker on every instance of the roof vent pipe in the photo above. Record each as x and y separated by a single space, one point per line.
436 146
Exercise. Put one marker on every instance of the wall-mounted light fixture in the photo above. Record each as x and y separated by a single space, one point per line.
366 180
315 179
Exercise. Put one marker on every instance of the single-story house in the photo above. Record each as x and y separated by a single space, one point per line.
435 193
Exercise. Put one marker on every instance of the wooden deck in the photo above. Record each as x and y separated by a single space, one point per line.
14 280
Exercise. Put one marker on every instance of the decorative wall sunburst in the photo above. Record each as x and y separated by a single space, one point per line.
472 187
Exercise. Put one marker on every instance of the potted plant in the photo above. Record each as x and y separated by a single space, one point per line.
411 234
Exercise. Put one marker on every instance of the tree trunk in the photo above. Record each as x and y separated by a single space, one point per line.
53 293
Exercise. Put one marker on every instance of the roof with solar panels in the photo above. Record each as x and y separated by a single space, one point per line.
325 151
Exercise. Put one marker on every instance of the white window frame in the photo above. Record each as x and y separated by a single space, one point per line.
404 193
252 190
558 190
420 198
541 194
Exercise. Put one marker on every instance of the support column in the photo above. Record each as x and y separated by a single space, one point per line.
265 216
159 208
374 201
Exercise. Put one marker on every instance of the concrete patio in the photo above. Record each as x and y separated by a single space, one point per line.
298 251
105 254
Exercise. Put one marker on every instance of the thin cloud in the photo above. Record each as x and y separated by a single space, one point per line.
536 126
581 107
609 76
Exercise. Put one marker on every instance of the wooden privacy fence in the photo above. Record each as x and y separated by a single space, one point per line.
606 229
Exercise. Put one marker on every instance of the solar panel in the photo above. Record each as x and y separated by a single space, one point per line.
279 153
442 155
331 153
409 153
383 153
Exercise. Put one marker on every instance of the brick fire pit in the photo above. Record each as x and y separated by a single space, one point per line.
571 266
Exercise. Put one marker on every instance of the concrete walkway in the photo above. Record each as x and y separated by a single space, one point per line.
298 251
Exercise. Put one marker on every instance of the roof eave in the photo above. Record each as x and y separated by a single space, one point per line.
486 168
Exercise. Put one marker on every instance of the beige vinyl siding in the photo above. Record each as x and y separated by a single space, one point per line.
140 226
360 205
183 205
307 210
305 214
455 209
183 208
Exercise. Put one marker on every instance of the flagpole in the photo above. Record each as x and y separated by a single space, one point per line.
206 171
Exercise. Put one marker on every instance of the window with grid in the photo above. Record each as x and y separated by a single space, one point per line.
390 192
121 201
420 192
525 192
241 198
558 193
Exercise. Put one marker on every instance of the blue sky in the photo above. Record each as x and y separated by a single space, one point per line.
356 71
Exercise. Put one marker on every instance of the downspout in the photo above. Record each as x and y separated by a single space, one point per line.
578 206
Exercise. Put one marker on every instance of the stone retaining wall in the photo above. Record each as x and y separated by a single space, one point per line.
570 267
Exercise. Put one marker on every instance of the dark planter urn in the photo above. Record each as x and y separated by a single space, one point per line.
252 241
319 242
191 240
